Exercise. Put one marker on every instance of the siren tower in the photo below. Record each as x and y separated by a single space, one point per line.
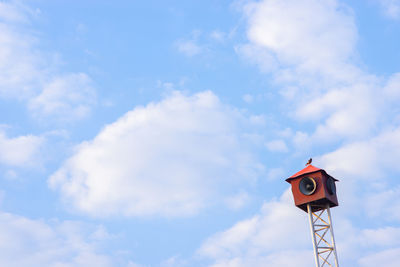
314 191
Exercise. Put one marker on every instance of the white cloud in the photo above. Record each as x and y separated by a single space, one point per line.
349 112
389 258
188 47
369 159
277 146
218 36
392 88
301 140
10 174
237 201
20 67
368 169
279 235
258 120
297 41
275 173
280 259
304 33
384 203
27 242
276 235
68 96
31 75
248 98
391 8
257 55
20 151
13 12
169 158
388 236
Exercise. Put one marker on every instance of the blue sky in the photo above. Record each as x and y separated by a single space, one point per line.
160 133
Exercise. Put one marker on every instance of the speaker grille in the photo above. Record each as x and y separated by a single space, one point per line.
307 186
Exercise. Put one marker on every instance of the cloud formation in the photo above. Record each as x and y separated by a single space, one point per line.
391 8
30 75
320 76
170 158
27 242
20 151
188 47
267 237
302 37
279 236
369 159
68 96
309 47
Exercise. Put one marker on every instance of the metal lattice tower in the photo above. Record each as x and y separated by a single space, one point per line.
321 228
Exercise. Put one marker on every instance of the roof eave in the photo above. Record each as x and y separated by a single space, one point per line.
320 170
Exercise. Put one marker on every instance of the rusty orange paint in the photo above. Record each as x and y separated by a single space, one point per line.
321 197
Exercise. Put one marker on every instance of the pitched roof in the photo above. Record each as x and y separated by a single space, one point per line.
309 169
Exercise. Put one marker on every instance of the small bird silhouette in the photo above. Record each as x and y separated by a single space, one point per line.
309 162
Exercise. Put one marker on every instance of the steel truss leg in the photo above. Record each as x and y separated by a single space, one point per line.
321 227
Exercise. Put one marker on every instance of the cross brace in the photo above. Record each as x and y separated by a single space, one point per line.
321 227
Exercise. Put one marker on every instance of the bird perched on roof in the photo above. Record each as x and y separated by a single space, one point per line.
309 162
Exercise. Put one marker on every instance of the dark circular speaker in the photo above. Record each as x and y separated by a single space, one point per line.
330 186
307 186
